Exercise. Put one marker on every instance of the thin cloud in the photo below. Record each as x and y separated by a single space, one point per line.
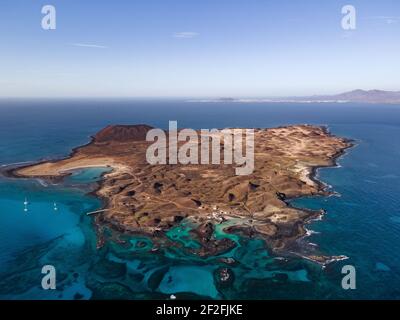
185 35
88 45
386 19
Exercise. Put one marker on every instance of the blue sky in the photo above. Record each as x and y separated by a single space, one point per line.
197 48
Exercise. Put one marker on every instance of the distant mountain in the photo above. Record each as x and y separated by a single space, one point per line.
367 96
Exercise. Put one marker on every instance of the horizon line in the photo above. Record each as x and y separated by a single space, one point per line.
186 97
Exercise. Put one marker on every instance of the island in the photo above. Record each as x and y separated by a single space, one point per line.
145 199
355 96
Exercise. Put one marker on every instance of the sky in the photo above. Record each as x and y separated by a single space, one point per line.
197 48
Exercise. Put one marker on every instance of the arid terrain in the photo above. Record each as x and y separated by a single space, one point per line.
152 199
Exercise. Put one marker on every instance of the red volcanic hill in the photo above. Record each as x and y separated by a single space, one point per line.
122 133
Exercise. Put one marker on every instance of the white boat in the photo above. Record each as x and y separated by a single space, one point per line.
55 206
26 205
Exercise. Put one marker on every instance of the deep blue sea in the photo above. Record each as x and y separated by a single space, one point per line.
362 223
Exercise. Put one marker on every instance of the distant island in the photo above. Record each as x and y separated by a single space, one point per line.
361 96
153 199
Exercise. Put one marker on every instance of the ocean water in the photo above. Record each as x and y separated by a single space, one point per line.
362 222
